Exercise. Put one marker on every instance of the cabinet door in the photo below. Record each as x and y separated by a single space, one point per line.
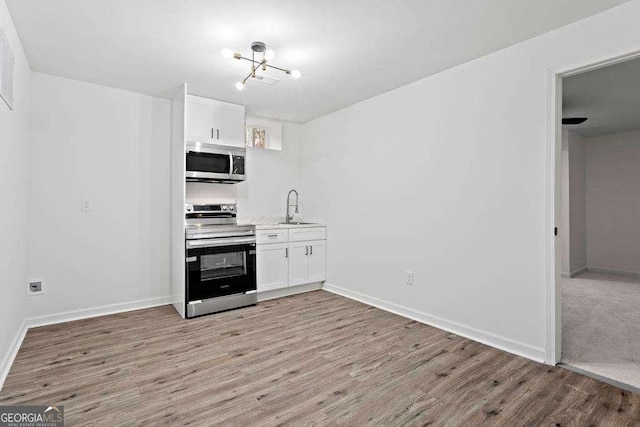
272 266
200 124
317 261
229 124
298 263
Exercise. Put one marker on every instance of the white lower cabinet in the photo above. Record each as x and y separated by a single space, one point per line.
272 266
308 262
280 265
298 263
317 261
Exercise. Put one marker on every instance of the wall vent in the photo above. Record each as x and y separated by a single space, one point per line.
6 70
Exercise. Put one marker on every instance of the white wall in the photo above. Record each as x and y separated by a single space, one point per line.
14 178
112 146
565 224
573 230
613 202
270 176
578 201
447 177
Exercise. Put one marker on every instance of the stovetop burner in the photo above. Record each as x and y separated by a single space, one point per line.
215 221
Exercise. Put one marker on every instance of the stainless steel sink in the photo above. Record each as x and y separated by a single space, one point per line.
299 223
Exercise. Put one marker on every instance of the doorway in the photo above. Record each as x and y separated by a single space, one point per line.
597 211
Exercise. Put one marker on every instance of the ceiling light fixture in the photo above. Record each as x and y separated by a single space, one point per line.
257 65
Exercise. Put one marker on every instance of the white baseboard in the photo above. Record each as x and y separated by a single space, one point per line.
69 316
98 311
537 354
613 271
574 273
285 292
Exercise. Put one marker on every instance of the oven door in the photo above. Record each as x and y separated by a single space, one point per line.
208 165
220 270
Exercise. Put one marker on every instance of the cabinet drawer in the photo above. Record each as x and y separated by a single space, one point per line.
307 233
271 236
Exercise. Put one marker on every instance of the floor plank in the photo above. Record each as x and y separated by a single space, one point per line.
309 359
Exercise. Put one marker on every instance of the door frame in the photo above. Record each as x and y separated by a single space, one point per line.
554 146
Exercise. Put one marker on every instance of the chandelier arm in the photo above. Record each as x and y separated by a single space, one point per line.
251 60
260 63
278 68
246 78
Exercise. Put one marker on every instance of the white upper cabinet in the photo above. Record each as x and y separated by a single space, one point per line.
200 125
230 124
215 122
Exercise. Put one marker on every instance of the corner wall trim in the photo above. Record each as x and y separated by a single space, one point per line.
12 352
518 348
69 316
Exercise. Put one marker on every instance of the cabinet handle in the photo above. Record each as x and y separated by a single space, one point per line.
311 251
217 133
272 235
306 250
211 133
286 252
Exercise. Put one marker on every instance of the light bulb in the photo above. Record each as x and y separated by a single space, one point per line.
227 53
296 74
269 54
239 85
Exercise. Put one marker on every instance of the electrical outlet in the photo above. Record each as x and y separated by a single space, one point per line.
35 287
85 204
409 280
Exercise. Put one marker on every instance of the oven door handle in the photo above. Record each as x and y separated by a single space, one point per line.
204 235
210 243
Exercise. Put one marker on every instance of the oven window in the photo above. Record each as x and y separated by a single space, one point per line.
207 162
218 266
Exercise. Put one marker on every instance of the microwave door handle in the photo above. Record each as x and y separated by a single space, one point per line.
230 163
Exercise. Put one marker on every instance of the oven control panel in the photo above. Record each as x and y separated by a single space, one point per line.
229 207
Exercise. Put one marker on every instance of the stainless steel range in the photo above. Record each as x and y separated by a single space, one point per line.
221 260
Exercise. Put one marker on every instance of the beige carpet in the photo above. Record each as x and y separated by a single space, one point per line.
601 325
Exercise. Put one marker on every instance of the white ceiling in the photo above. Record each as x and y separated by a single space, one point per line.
609 97
347 50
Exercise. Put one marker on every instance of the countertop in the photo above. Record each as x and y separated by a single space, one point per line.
274 223
272 226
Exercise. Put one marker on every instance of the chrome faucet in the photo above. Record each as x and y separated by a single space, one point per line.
290 217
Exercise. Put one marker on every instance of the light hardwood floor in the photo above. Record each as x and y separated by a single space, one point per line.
314 358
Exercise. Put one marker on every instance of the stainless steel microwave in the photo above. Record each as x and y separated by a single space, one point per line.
214 163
